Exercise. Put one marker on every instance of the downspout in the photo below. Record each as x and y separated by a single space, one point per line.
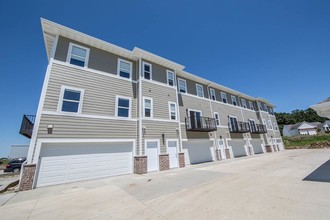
246 135
216 147
178 111
262 122
140 108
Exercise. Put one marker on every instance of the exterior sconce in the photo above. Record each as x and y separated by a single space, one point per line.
177 132
50 129
163 138
220 137
143 131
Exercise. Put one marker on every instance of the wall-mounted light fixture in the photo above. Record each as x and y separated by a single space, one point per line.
177 132
143 131
50 129
220 136
163 138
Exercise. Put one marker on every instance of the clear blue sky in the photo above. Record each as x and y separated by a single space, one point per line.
279 50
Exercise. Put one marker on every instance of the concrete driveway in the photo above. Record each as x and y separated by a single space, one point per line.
268 186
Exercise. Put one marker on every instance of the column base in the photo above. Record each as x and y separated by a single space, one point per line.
181 160
140 165
28 172
164 162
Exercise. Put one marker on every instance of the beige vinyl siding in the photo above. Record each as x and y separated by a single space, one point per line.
99 90
226 110
159 73
98 59
161 95
250 115
193 134
81 127
155 129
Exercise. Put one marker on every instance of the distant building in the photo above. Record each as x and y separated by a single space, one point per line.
326 126
17 151
323 108
302 128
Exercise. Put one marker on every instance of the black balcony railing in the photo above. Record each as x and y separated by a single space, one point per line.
258 129
239 127
27 125
200 124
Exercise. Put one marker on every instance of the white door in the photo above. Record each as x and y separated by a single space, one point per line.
173 153
71 162
222 149
152 155
198 151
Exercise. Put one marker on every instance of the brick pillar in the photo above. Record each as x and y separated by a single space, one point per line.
164 162
28 173
268 149
250 150
140 164
218 154
227 153
181 160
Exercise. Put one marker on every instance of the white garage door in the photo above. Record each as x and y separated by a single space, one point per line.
64 163
257 146
238 147
198 151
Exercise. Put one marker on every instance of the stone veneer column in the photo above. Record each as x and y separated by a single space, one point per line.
28 173
164 162
227 153
140 164
181 160
268 149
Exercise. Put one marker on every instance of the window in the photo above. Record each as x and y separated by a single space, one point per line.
233 100
252 125
147 71
271 111
270 124
78 55
200 91
224 97
123 107
265 108
260 106
170 78
70 100
275 126
212 94
182 85
251 105
147 106
243 103
217 118
124 68
264 122
172 110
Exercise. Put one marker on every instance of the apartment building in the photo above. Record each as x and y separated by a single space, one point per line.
105 110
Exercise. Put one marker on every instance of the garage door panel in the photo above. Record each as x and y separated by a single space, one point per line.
238 147
257 146
198 151
63 163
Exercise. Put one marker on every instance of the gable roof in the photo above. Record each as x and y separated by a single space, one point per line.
324 101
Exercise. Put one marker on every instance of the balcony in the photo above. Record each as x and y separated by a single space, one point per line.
27 125
258 129
203 124
239 127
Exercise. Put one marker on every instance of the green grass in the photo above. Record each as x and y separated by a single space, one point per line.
304 140
4 161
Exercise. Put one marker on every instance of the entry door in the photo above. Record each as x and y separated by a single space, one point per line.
222 148
195 118
152 155
173 153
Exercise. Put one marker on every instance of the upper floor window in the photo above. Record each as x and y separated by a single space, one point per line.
265 108
224 97
123 107
271 111
147 106
243 103
233 100
275 126
170 78
270 124
264 122
124 68
182 85
259 105
147 71
251 105
172 110
217 118
71 100
78 55
212 94
200 90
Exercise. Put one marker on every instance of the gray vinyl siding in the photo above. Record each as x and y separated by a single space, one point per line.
191 87
193 134
160 95
98 59
250 115
226 110
81 127
155 129
99 90
159 73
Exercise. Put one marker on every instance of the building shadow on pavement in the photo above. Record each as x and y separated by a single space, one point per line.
321 174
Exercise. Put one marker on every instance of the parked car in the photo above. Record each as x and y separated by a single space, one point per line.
14 165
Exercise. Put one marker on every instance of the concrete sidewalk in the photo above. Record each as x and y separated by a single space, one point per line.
266 186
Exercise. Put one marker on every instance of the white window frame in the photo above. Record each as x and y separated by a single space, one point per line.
185 85
201 87
151 107
60 102
68 57
176 111
224 96
275 126
217 120
243 101
264 123
143 70
265 107
167 74
129 109
118 68
211 95
270 124
259 106
251 105
232 102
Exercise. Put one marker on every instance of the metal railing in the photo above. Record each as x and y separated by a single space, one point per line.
27 125
258 129
200 124
239 127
